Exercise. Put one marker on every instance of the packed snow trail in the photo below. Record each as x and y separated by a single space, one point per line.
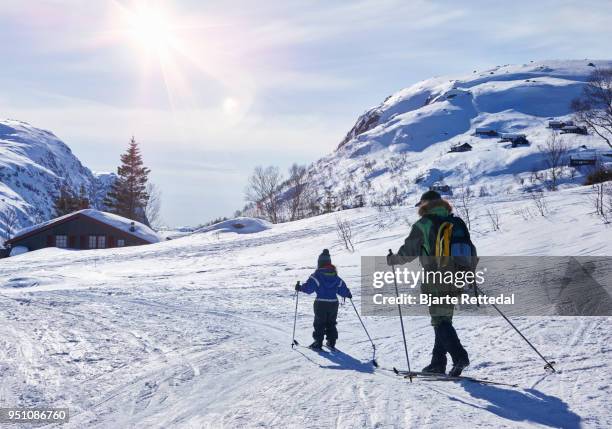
196 332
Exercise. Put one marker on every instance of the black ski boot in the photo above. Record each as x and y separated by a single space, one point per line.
438 356
331 344
317 345
458 367
435 368
451 343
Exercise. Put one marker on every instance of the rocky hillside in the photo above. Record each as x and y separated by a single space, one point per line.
403 146
34 165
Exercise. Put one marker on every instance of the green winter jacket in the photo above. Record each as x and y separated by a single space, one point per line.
419 244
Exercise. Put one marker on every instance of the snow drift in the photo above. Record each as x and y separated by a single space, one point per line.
239 225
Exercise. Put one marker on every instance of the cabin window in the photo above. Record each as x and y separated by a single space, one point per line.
120 243
61 241
97 242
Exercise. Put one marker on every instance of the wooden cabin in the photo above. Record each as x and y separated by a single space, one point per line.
84 229
585 158
489 132
573 129
509 137
557 125
515 139
520 141
465 147
441 188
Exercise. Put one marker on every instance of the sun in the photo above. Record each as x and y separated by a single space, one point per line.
151 29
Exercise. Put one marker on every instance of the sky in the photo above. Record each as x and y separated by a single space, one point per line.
211 89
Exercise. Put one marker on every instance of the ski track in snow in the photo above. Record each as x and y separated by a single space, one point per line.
196 332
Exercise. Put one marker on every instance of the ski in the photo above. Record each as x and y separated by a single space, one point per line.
428 376
317 350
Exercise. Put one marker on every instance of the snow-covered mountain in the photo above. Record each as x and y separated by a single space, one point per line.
34 165
401 146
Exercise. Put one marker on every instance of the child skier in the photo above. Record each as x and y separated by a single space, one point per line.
327 284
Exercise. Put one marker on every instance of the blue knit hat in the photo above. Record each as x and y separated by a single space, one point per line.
324 258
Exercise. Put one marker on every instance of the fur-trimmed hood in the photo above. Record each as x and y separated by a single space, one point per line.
430 205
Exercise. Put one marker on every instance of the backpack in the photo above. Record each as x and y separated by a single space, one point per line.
453 246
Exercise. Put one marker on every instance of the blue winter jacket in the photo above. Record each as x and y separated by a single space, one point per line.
327 284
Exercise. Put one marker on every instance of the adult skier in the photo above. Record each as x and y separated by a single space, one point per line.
421 243
327 284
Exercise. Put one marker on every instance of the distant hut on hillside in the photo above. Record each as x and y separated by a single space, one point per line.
489 132
573 129
583 158
509 137
465 147
520 141
440 187
515 139
557 125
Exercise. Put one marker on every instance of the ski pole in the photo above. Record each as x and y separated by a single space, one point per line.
297 296
367 333
399 307
548 364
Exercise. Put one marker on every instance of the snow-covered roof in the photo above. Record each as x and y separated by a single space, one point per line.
572 127
512 136
140 230
585 154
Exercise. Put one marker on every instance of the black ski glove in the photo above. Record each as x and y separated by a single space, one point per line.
392 259
350 295
298 287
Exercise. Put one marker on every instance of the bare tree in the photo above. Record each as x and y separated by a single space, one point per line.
602 201
8 222
311 201
153 205
554 152
297 183
539 201
594 106
494 218
524 212
345 233
263 191
463 203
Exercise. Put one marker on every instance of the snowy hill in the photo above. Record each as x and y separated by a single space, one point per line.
34 165
239 225
196 332
404 142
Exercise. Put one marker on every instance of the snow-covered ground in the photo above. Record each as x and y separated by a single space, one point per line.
196 332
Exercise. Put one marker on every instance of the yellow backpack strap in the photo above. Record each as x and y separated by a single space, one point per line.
448 233
443 241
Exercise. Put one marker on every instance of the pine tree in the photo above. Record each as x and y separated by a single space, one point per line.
128 196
